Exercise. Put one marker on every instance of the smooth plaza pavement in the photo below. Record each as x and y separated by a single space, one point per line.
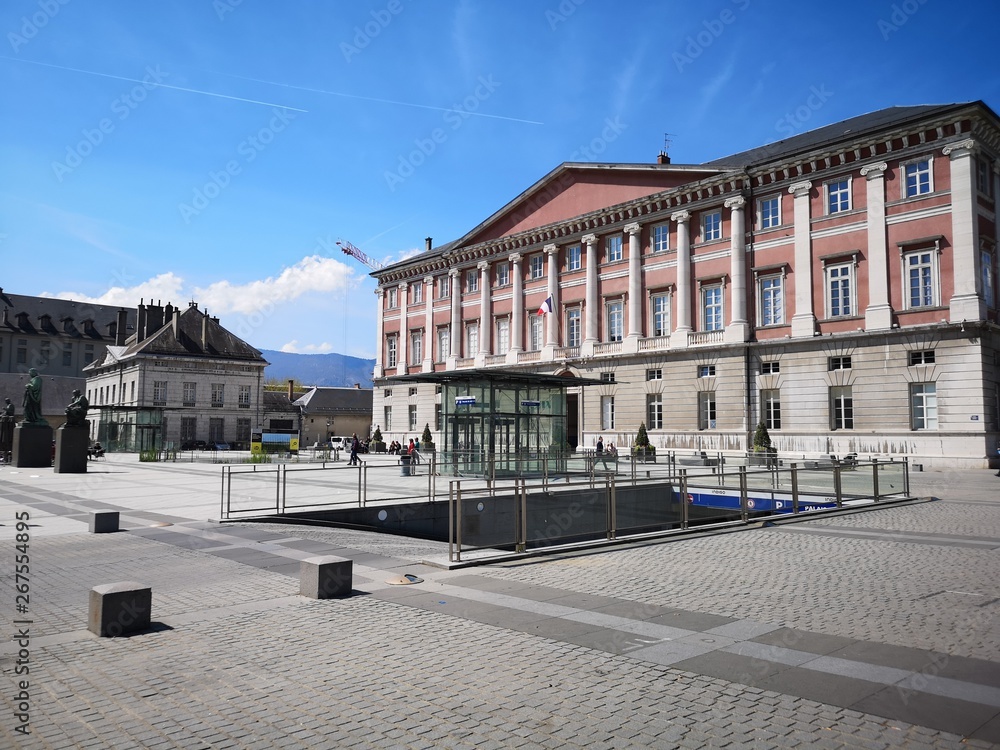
876 629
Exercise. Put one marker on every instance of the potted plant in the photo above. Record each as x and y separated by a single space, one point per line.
641 448
377 444
427 440
762 448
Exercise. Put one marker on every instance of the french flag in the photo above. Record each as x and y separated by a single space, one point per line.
546 306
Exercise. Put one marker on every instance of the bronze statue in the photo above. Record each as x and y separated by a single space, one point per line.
8 408
76 412
6 430
33 400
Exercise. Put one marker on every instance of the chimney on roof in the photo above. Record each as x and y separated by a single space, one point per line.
204 331
428 243
357 386
291 389
120 331
663 158
140 326
175 322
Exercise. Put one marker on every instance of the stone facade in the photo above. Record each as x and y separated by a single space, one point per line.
840 286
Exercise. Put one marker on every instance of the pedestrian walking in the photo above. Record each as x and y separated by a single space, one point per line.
355 445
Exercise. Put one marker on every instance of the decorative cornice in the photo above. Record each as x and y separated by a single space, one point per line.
428 280
403 286
874 171
967 147
633 228
380 292
551 249
515 257
483 265
800 189
680 216
589 239
736 202
454 273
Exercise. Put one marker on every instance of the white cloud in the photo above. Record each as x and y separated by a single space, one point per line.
294 347
167 287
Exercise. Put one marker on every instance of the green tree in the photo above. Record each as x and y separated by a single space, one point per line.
642 440
427 439
761 439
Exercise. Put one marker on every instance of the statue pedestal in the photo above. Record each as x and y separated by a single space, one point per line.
71 449
32 446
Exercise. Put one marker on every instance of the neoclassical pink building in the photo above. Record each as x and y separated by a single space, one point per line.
838 286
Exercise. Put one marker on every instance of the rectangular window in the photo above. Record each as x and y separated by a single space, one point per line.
392 298
67 356
770 212
573 327
923 357
986 268
413 391
45 353
607 412
920 278
88 354
387 415
656 374
243 397
770 408
216 430
706 410
472 280
536 266
22 351
839 363
984 176
661 238
706 371
243 430
711 226
387 393
839 284
418 293
413 417
660 304
654 411
189 427
535 339
437 417
613 249
607 377
770 368
838 196
444 286
503 336
472 340
841 408
190 394
131 392
218 394
772 300
923 406
503 274
444 343
616 321
159 393
917 178
416 347
573 262
390 351
711 308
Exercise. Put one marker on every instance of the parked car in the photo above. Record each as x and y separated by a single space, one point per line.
220 446
193 445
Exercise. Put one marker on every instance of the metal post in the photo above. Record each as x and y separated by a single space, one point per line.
364 484
744 504
430 479
683 499
875 478
277 490
836 484
613 505
906 477
226 492
794 472
458 522
451 520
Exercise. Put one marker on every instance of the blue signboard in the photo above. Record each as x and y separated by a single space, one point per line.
465 400
531 403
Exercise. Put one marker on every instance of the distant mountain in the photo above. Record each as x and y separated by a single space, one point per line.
318 369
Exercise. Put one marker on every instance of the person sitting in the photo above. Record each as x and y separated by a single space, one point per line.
96 450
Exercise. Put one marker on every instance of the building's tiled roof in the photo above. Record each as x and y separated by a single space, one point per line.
278 401
218 343
330 400
883 119
66 317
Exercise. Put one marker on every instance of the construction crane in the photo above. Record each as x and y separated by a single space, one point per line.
355 253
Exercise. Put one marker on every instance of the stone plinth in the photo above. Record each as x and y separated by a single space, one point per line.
119 608
32 446
71 449
103 521
325 577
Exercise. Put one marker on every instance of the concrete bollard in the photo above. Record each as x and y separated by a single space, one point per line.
325 577
119 608
103 521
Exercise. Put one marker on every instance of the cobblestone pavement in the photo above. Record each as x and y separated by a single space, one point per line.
872 630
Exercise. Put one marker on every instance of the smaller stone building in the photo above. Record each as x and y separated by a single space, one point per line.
180 378
335 412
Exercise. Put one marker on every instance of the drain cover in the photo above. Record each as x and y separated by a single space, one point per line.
404 580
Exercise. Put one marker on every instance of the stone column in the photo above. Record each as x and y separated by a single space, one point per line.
456 319
430 339
485 313
967 302
590 330
804 318
379 332
551 322
516 309
404 331
634 300
683 327
878 314
738 329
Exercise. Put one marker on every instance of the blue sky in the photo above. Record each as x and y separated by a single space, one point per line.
216 151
